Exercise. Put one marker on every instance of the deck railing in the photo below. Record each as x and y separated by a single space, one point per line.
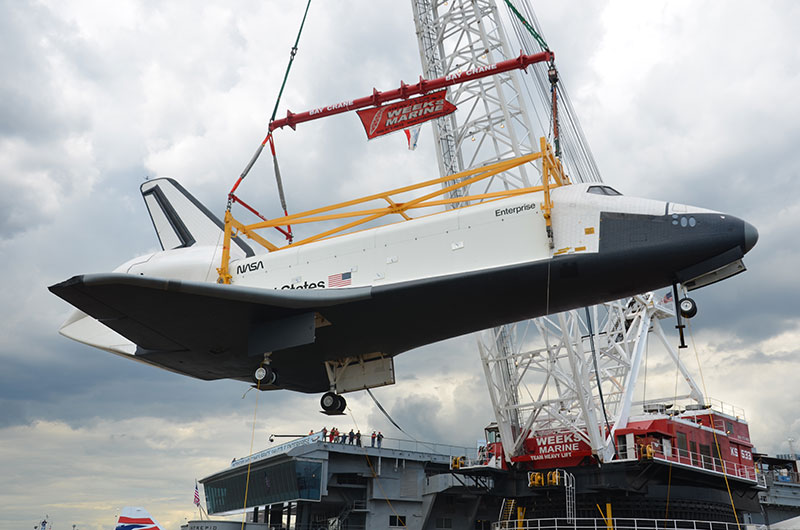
726 408
616 523
710 463
783 477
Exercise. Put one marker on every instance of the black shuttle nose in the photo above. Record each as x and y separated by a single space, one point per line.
750 236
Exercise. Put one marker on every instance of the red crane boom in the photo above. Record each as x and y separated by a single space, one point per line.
406 91
376 99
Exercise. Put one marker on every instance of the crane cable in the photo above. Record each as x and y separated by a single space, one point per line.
250 459
383 410
292 54
527 25
289 66
674 401
577 154
597 371
375 476
552 75
269 138
713 427
669 477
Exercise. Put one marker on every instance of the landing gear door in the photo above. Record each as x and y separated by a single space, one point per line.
359 373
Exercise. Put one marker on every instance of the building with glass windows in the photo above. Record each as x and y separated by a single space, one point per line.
311 484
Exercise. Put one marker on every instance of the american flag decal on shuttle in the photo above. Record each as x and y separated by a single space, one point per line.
342 279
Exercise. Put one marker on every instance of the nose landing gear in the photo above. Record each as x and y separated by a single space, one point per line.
332 404
688 307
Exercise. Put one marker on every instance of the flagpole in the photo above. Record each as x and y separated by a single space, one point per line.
197 500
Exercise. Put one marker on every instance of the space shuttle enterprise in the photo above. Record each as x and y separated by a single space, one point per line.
327 314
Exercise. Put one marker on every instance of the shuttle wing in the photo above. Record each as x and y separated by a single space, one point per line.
205 319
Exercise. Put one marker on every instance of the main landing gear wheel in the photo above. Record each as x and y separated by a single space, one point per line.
266 375
688 307
332 403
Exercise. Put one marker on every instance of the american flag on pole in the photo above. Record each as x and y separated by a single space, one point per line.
196 495
342 279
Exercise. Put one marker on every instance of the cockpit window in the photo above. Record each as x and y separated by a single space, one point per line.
602 190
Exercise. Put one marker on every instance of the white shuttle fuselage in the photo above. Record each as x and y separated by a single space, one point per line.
369 295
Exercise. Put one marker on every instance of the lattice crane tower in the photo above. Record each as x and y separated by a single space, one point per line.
582 375
493 122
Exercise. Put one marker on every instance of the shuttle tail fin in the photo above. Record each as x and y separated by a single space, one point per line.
181 221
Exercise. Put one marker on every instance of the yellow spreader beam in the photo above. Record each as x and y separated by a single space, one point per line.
552 176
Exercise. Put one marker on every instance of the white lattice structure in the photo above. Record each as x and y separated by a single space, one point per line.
555 386
492 121
553 380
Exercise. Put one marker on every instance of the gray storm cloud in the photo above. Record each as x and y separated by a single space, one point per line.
94 98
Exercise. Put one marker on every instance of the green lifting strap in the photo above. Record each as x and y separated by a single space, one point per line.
255 156
289 66
525 23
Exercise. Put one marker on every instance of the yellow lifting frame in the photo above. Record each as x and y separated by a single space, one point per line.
552 176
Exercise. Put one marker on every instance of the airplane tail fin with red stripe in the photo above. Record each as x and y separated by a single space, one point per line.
135 518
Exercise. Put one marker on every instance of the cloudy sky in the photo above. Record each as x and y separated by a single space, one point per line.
694 102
